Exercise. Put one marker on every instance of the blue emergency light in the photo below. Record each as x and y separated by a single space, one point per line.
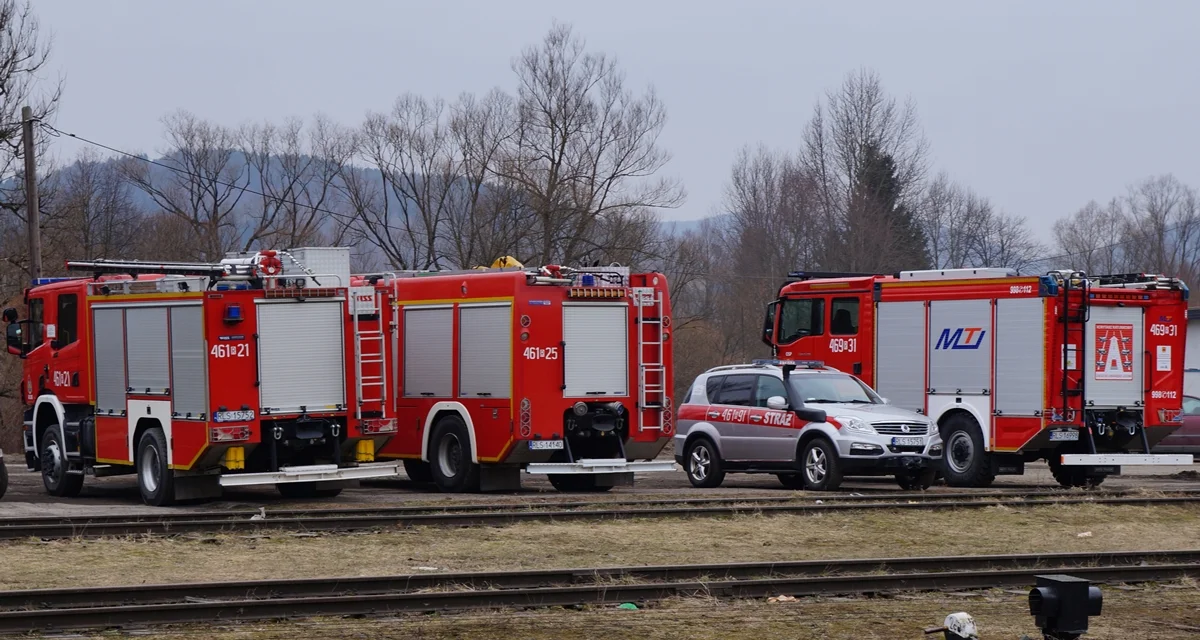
233 313
795 364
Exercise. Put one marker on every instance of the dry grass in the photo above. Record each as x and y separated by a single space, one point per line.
1165 612
33 563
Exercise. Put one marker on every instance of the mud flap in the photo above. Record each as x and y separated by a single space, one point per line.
197 487
499 478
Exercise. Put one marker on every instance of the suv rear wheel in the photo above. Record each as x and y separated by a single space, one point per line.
703 464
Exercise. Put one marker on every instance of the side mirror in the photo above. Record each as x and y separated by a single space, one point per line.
811 415
777 403
10 315
768 332
12 338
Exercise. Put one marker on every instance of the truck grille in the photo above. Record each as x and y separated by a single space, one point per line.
898 428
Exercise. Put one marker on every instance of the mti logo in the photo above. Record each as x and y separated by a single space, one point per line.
961 338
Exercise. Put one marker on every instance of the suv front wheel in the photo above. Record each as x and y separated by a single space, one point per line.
822 470
703 464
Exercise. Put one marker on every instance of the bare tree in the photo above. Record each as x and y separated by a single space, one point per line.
1093 239
295 172
1164 227
24 53
1005 241
584 149
492 219
203 183
94 214
868 158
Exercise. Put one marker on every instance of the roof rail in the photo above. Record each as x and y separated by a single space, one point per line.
732 367
810 275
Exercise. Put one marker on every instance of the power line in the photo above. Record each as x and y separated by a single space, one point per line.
56 132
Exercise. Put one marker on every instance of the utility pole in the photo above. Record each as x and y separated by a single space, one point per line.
32 211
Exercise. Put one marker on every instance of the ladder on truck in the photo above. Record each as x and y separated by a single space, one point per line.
368 388
652 368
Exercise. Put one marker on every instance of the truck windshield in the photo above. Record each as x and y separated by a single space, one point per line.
828 388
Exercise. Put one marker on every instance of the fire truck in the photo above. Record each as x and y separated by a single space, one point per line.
198 376
552 371
1083 371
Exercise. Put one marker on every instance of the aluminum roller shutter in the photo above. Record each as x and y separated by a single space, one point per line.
108 326
596 351
900 372
147 351
428 352
485 350
1020 356
189 392
960 347
301 355
1114 357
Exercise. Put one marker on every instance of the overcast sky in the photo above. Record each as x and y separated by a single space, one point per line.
1038 105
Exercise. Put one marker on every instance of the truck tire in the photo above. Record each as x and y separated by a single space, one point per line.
3 478
967 464
580 483
53 456
418 471
1072 476
306 490
156 481
703 464
822 467
450 457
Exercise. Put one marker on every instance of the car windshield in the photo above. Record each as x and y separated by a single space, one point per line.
828 388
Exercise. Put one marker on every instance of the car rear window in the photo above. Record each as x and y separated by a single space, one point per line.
713 387
737 390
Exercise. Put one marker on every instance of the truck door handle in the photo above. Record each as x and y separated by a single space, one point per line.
714 414
756 418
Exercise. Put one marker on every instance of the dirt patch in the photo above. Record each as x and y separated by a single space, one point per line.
1165 612
35 563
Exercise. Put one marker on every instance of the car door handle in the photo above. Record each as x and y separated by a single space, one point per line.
756 418
714 414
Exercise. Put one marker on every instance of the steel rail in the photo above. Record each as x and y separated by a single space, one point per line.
336 520
207 602
559 505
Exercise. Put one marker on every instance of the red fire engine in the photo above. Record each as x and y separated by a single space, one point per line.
198 376
556 371
1080 370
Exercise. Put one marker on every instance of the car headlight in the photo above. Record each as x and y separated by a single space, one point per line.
857 425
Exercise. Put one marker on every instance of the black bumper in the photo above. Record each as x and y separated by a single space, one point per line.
888 465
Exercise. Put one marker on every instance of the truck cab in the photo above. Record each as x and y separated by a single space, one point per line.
825 321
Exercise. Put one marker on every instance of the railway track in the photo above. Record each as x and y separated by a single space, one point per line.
140 605
174 523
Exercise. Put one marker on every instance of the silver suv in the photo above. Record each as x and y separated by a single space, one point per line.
808 424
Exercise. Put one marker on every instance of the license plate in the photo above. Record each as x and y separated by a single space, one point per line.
542 445
233 416
908 442
1064 435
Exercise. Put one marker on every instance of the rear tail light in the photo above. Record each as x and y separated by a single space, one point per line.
526 418
376 426
239 433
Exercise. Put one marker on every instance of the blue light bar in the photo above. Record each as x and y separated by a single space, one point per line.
805 364
41 281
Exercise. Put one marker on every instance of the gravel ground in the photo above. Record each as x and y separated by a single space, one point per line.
27 497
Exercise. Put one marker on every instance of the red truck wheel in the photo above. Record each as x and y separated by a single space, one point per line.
53 456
